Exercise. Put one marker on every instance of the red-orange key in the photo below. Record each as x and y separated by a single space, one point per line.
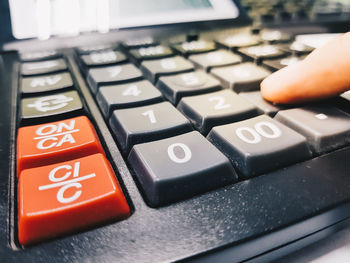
65 197
56 142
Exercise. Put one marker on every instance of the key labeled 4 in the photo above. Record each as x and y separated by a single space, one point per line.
65 197
55 142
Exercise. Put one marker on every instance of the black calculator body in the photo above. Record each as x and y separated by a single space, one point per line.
262 187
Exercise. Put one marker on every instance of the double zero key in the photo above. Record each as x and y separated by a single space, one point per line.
259 145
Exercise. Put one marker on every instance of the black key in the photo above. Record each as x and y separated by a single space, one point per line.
43 67
112 75
187 84
235 41
166 66
46 83
95 48
41 108
193 47
259 145
38 55
151 52
275 36
217 108
103 57
258 53
264 106
127 95
276 64
147 123
296 48
242 77
215 59
326 128
140 42
179 167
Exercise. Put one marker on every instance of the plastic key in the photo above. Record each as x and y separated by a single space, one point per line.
46 83
213 59
166 66
127 95
243 77
43 67
259 145
35 109
103 57
179 167
326 128
187 84
147 123
66 197
217 108
112 75
55 142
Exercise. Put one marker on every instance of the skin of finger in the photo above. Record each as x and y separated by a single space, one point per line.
322 74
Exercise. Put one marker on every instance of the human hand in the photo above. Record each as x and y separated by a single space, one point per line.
322 74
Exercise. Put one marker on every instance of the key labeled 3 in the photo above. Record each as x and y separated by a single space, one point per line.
56 141
65 197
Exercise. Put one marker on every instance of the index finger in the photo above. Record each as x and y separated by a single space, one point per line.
324 73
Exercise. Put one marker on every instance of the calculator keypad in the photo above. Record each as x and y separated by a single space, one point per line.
168 160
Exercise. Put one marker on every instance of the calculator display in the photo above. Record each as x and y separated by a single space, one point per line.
45 18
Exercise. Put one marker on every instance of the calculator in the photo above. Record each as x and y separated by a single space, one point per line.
152 143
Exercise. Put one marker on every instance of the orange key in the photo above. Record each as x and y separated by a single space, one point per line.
56 142
68 196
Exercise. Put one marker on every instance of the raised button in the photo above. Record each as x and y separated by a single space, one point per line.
179 167
259 145
326 128
217 108
57 104
103 57
43 67
46 83
55 142
127 95
166 66
274 36
140 42
262 52
239 40
213 59
38 55
187 84
276 64
242 77
95 48
112 75
151 52
147 123
67 197
193 47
